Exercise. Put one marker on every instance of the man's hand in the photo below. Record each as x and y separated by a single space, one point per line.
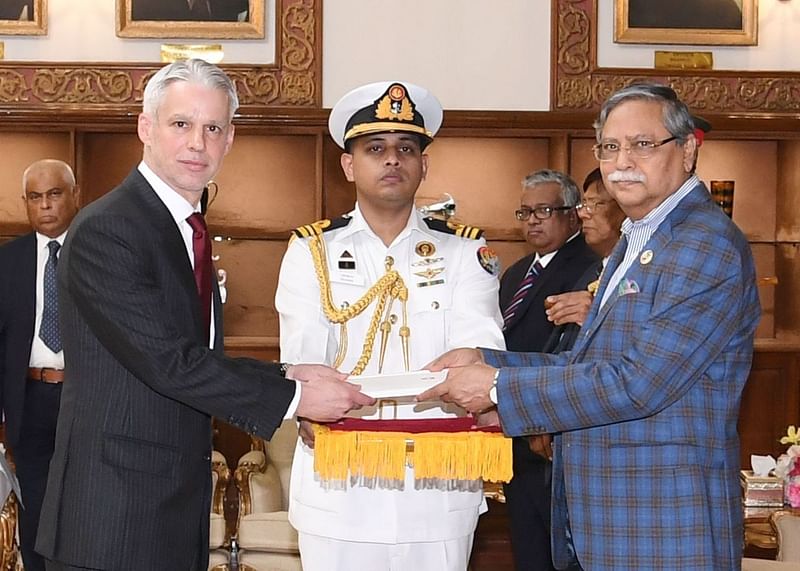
455 358
541 444
569 307
467 386
306 432
325 396
488 418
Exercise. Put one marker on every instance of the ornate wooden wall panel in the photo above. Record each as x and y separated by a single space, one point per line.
580 84
115 90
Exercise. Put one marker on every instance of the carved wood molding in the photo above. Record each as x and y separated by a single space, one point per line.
580 85
110 88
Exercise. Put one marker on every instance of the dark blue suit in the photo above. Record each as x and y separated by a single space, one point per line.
30 408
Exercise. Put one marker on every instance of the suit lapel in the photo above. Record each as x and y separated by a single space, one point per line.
657 243
27 291
169 238
561 259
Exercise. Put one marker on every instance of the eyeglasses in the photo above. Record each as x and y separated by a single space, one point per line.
540 212
53 195
639 148
590 206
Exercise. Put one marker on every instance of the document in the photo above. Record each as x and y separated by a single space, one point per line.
398 385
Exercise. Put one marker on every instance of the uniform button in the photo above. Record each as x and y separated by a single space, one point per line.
393 319
435 305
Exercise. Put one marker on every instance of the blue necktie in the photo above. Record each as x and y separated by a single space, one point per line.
525 285
48 331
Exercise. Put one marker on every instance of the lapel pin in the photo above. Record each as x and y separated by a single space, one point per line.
646 257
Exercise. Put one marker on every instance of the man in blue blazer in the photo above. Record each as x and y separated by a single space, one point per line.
646 459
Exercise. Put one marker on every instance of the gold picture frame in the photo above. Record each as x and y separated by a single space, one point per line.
13 25
662 22
171 19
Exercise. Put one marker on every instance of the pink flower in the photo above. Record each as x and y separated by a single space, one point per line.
793 494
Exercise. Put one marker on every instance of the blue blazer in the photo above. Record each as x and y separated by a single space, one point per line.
647 462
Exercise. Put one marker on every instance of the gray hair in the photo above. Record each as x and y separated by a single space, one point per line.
677 119
570 195
191 70
66 171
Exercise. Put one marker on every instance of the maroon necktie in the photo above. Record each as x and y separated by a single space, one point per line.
201 244
522 291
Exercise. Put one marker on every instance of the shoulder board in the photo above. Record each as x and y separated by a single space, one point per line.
320 226
461 230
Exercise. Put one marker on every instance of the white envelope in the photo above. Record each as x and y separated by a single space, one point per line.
398 385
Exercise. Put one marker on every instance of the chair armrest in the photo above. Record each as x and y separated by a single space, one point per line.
787 530
219 467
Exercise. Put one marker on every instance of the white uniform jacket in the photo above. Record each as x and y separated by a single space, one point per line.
452 303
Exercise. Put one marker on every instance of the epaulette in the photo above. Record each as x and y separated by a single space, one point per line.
462 230
320 226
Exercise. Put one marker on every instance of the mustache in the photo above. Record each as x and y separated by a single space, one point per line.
626 176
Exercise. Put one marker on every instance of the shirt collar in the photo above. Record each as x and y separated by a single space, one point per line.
179 208
359 224
42 241
544 260
655 217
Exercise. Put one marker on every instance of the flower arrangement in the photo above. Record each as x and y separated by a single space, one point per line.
788 467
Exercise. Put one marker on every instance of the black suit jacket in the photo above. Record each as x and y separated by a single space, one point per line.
130 485
17 322
530 329
564 336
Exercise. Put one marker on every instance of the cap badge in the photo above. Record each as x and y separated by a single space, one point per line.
395 105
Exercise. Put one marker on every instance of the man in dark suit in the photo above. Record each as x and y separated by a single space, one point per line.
551 226
129 485
32 363
190 10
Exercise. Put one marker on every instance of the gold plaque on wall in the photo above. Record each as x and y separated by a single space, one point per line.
684 60
212 53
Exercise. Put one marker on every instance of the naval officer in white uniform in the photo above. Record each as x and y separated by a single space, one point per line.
450 276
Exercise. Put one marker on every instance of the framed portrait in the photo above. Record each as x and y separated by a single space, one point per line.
212 19
700 22
23 17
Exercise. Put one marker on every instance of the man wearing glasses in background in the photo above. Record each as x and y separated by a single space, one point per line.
560 256
645 405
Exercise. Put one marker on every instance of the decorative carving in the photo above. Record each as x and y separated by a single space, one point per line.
579 84
298 37
13 86
8 534
103 89
59 85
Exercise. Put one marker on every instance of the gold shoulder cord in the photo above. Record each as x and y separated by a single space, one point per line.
388 288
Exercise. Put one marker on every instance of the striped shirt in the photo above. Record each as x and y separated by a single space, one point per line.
638 233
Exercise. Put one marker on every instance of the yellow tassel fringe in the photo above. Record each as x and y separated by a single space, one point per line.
339 454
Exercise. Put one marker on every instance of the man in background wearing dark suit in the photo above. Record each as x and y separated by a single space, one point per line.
32 362
560 255
129 485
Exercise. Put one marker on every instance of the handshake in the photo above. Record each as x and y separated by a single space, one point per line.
326 396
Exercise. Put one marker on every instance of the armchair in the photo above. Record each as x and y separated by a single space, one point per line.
267 542
786 527
218 538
